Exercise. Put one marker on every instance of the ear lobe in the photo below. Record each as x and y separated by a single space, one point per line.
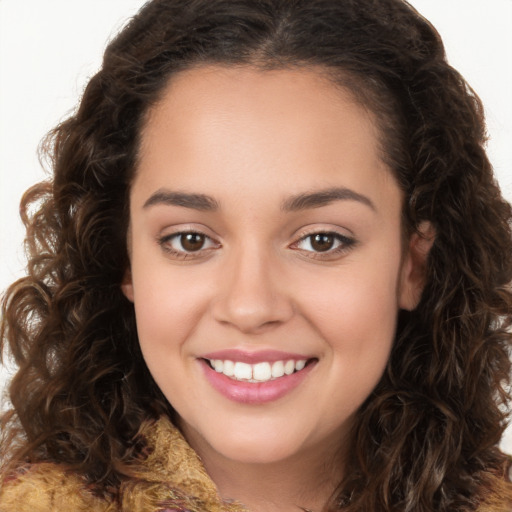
127 285
413 272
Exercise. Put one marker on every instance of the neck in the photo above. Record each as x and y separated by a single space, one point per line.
265 490
305 481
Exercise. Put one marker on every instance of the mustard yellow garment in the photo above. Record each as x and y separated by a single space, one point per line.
172 479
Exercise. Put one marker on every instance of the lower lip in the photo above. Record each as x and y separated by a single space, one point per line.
255 392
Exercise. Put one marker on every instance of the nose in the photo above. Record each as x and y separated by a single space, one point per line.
252 296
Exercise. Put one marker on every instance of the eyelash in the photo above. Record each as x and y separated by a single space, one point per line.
166 240
345 244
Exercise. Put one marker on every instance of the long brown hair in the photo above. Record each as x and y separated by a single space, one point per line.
426 439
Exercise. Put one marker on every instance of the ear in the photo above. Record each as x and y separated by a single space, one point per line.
127 285
413 271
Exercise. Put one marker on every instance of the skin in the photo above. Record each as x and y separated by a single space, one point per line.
252 141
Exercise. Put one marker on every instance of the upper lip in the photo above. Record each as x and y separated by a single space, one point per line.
249 357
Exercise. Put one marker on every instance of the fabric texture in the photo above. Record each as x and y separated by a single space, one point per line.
171 479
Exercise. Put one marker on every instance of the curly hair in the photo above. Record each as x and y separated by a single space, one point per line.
426 439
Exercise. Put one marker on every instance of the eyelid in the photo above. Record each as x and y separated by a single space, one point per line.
164 240
344 242
348 242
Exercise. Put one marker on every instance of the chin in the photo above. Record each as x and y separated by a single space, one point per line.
257 451
258 444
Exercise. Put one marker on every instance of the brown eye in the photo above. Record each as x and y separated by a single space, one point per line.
322 242
187 243
192 241
325 243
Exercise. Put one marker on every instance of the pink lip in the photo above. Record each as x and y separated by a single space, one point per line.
254 392
261 356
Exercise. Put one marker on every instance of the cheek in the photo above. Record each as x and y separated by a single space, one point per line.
359 299
355 313
168 309
168 306
357 321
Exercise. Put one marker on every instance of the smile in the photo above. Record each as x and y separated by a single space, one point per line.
255 377
260 372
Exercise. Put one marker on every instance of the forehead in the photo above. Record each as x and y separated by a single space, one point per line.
215 127
246 94
211 89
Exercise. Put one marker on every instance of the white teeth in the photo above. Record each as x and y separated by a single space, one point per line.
299 365
262 371
243 371
259 372
277 369
289 367
229 368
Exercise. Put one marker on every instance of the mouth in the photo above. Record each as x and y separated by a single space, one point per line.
263 371
256 378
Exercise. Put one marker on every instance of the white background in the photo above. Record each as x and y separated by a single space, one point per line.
48 50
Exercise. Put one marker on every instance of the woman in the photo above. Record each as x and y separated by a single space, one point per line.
271 272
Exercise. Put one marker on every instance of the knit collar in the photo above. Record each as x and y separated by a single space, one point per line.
172 477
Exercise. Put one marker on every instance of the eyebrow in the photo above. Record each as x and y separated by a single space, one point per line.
299 202
319 198
194 201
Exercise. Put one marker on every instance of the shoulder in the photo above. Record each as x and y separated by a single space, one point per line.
171 477
497 493
47 487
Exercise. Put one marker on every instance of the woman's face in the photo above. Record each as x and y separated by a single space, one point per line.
267 264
